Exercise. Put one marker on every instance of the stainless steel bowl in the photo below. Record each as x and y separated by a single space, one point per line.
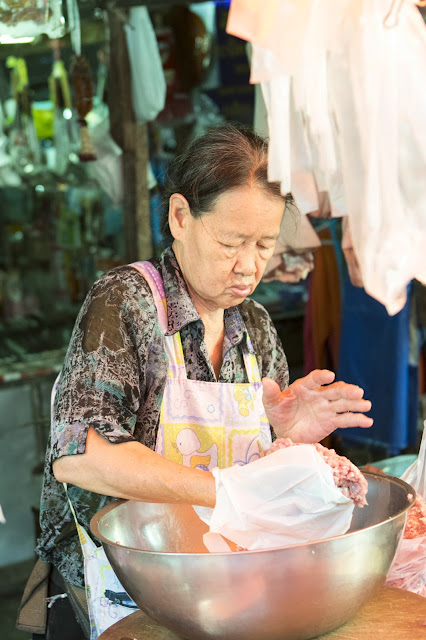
289 593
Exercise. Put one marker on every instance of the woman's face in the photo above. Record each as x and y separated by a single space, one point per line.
223 254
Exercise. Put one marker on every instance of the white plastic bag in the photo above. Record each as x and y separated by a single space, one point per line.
148 81
415 475
357 129
293 257
287 497
31 18
408 570
9 177
107 168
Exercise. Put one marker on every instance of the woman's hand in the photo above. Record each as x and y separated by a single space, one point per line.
307 411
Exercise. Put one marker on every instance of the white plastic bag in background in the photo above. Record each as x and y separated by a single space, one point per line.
408 570
293 257
148 81
31 19
287 497
107 168
9 177
359 107
415 475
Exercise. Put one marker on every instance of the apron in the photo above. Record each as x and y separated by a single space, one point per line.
202 425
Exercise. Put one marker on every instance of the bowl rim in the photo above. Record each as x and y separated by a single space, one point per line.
96 519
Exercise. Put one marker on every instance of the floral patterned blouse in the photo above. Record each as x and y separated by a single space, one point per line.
114 376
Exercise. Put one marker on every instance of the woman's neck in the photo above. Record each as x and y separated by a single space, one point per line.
213 320
214 328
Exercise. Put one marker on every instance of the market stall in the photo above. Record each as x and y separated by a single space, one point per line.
97 102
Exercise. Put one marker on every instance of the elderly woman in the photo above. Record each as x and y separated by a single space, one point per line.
164 374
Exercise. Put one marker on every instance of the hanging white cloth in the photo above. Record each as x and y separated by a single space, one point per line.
148 80
342 83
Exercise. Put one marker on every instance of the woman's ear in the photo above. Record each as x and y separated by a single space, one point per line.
179 212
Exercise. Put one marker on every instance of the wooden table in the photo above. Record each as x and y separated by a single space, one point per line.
392 615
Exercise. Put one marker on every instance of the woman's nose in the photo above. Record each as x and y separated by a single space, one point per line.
246 263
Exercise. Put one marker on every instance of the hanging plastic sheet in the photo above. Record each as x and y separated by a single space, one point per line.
9 177
375 84
408 569
64 127
148 81
31 18
356 128
23 144
293 257
107 168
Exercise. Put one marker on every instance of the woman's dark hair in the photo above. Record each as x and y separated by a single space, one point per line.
224 157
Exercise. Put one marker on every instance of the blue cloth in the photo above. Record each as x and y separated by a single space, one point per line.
374 354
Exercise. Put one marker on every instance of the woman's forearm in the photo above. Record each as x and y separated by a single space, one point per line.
132 471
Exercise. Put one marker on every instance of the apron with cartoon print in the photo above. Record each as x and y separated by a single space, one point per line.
202 425
207 424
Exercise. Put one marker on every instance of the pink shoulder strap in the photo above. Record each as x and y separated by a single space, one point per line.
155 282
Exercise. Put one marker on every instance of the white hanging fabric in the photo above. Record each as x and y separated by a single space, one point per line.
343 84
148 80
31 19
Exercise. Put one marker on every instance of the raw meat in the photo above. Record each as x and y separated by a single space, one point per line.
416 519
347 476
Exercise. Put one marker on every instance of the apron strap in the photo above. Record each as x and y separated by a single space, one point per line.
155 282
86 542
173 344
250 361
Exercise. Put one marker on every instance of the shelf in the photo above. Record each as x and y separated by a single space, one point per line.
41 364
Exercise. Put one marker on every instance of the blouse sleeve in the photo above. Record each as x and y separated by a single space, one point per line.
103 378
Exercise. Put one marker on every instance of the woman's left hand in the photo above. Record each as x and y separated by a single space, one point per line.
311 407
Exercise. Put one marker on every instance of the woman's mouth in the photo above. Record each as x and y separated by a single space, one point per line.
241 290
